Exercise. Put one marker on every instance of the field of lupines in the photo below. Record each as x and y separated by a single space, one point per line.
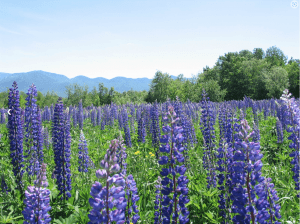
229 162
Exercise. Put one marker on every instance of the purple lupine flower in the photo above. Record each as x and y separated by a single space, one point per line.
121 155
279 131
132 198
126 128
32 127
80 116
158 200
111 114
256 136
223 162
188 137
46 137
40 140
293 114
94 117
16 134
103 124
247 172
98 116
4 187
268 210
171 144
46 114
37 200
129 184
155 126
103 197
83 157
132 118
74 117
207 128
2 118
51 111
141 130
120 119
61 147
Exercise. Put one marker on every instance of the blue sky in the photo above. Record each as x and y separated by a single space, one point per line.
136 38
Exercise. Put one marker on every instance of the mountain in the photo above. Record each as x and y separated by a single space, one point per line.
47 81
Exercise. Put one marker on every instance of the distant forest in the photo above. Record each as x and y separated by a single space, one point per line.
258 75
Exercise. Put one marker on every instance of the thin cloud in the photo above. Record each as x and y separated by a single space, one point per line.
21 52
17 11
35 16
9 31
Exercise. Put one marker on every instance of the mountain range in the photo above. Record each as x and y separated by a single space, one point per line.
47 81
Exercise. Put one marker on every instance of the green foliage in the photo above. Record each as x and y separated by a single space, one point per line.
276 81
275 57
231 77
258 53
292 69
253 81
214 91
159 88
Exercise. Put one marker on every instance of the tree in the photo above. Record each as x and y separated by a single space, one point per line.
258 53
210 74
180 77
254 85
292 69
231 78
246 54
276 81
102 93
159 87
23 101
214 91
275 57
4 98
95 97
40 99
110 95
76 92
51 98
175 88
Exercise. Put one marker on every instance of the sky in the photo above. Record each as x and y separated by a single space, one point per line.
135 39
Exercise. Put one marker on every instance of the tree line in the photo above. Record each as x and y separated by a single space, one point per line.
258 75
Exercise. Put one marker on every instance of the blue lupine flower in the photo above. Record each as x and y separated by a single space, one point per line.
141 130
37 200
155 125
80 116
126 128
170 184
103 197
293 115
93 117
98 116
74 117
32 131
206 126
4 187
83 157
16 134
279 131
61 147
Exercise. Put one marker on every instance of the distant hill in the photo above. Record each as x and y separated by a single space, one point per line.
47 81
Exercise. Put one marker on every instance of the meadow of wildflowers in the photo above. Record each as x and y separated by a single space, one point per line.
171 162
